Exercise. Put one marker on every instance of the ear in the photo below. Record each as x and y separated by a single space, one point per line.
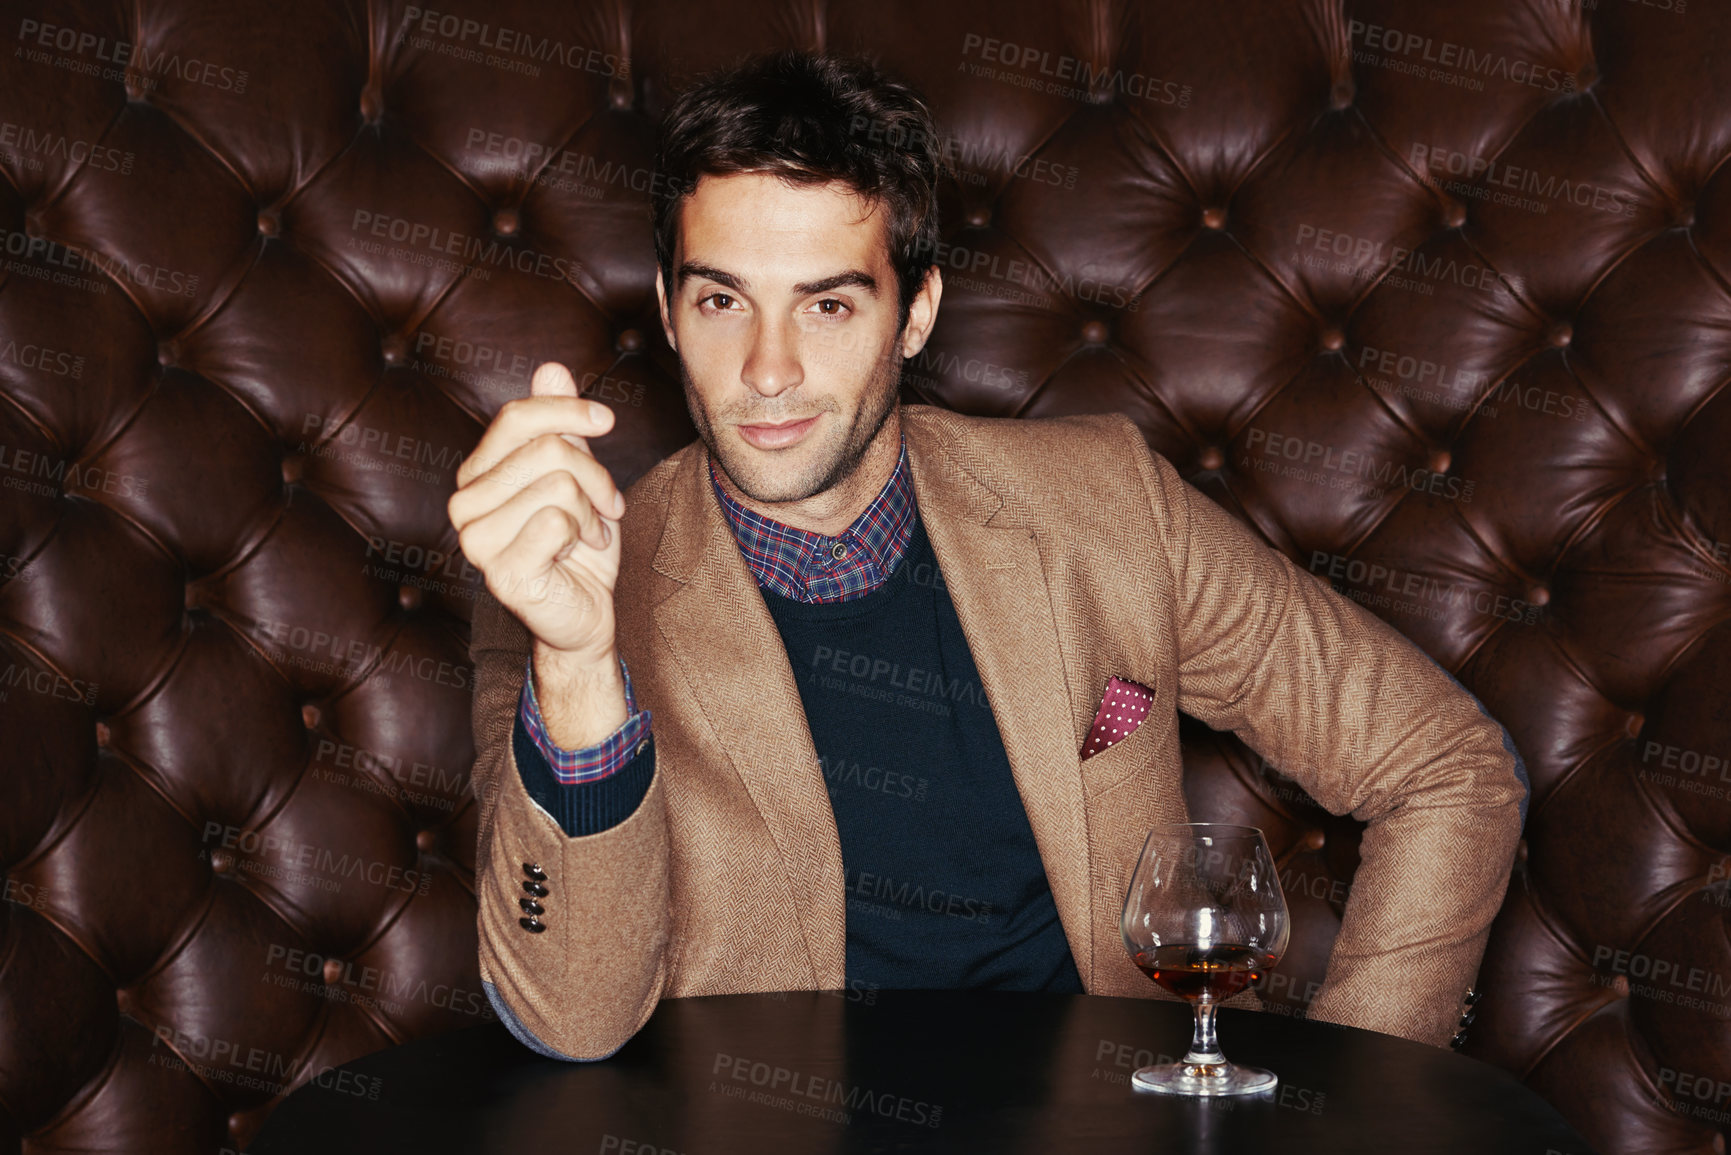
923 312
666 317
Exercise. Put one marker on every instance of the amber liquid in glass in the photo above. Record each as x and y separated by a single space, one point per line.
1193 973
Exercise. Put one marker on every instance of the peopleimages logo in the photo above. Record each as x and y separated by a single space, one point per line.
1028 66
1363 472
1474 66
41 39
1507 180
501 46
22 141
438 243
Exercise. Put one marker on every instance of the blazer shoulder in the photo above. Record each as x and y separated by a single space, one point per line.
1032 456
656 482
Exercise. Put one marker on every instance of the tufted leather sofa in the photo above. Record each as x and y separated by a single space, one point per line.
1435 297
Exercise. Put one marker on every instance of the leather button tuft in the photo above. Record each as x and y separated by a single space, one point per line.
1440 460
268 224
409 597
167 353
310 716
630 341
621 99
1313 839
293 468
1620 986
426 841
394 349
190 597
1095 332
1211 458
1333 339
123 1000
533 870
1538 596
979 217
333 971
372 104
1633 725
221 861
1213 217
103 735
1341 95
534 889
1521 850
1454 215
505 222
1561 334
136 87
1683 217
1586 76
532 925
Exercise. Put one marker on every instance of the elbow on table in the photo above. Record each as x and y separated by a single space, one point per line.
586 1036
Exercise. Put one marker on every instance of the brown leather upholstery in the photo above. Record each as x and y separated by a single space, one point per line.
1436 297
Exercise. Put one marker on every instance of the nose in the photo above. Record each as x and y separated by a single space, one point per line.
772 364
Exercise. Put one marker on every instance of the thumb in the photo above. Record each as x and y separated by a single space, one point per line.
552 380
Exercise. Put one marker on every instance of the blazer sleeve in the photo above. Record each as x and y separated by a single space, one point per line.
1368 725
580 987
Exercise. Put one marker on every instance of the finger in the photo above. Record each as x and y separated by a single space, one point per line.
552 379
485 538
530 560
523 420
529 463
524 569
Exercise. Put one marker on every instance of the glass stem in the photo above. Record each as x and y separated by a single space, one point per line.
1204 1048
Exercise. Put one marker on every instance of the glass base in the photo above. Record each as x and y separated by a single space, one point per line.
1208 1079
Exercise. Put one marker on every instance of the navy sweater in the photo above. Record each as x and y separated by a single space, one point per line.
945 887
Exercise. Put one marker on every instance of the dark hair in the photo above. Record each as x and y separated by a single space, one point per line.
809 119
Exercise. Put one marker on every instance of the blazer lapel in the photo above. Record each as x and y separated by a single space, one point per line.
991 566
735 669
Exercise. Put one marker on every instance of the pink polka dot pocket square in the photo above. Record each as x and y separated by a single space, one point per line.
1122 709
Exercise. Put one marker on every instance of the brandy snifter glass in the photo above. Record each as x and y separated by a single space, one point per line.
1205 918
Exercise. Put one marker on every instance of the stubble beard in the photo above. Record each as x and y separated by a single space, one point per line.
770 486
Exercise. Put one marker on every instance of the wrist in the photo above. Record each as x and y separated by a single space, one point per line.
581 697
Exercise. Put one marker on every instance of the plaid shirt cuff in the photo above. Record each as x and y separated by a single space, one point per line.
592 763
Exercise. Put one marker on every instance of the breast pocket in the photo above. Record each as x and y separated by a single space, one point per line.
1125 757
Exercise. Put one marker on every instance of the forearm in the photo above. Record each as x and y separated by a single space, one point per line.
591 975
1429 883
590 978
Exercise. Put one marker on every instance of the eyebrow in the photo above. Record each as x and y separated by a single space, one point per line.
855 277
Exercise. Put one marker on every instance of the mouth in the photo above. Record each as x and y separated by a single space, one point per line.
765 436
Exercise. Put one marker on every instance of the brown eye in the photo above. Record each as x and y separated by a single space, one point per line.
825 304
721 300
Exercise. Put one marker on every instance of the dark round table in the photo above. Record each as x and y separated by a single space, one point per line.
911 1071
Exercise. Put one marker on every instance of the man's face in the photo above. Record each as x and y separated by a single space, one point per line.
784 315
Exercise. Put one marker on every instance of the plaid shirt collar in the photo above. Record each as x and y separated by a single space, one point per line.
807 567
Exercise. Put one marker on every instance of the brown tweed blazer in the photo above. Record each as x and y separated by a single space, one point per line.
728 877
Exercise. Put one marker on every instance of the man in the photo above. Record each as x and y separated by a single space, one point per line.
815 703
